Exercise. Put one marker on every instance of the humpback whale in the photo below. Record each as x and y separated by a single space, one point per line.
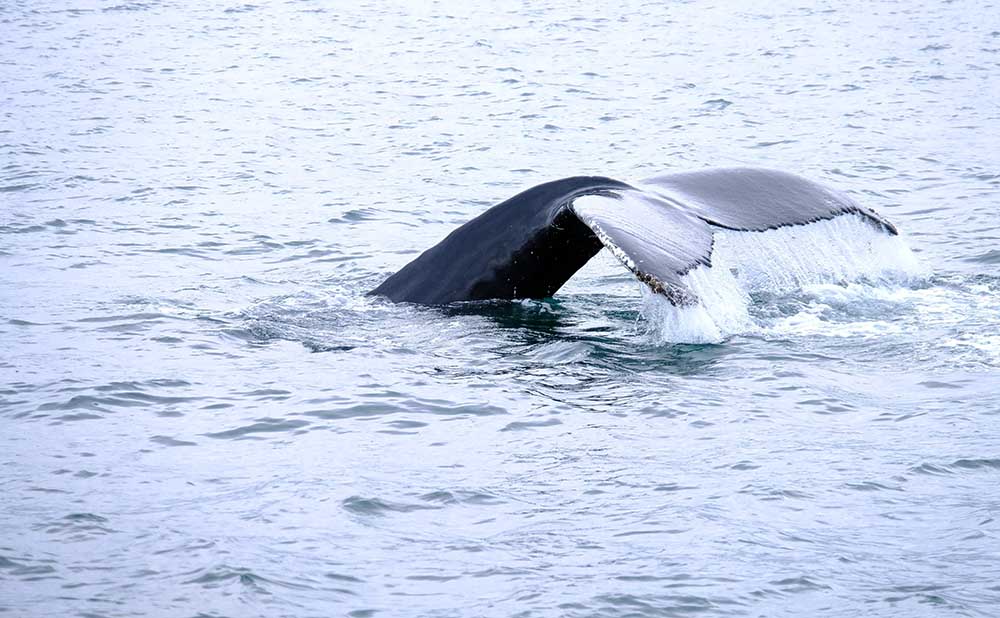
660 228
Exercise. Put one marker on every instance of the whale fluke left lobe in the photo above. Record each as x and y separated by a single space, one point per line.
525 247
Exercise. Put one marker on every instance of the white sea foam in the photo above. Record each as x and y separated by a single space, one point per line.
828 253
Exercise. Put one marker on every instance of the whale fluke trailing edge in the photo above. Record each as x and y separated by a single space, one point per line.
660 229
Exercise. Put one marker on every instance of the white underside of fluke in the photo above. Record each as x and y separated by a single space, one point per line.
841 250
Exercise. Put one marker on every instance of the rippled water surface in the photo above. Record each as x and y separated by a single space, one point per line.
202 414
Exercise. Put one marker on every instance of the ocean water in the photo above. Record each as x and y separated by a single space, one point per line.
202 414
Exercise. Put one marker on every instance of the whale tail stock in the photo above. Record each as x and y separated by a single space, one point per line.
529 245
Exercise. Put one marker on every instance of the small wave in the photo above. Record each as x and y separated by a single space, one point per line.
129 6
458 496
21 568
357 215
989 257
658 605
977 464
168 441
959 465
717 104
528 425
224 575
379 507
263 425
78 527
107 403
408 405
135 317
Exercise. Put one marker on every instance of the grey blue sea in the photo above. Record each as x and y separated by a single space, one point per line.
203 414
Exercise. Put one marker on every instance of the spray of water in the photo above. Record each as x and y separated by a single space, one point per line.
832 252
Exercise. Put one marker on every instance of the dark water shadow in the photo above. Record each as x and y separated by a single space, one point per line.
543 318
614 346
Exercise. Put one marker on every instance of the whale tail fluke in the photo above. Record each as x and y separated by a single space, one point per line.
660 229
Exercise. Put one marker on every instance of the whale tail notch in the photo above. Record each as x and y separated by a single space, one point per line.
660 229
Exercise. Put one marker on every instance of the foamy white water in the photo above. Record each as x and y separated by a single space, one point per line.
833 252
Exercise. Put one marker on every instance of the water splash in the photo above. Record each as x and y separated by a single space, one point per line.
834 252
